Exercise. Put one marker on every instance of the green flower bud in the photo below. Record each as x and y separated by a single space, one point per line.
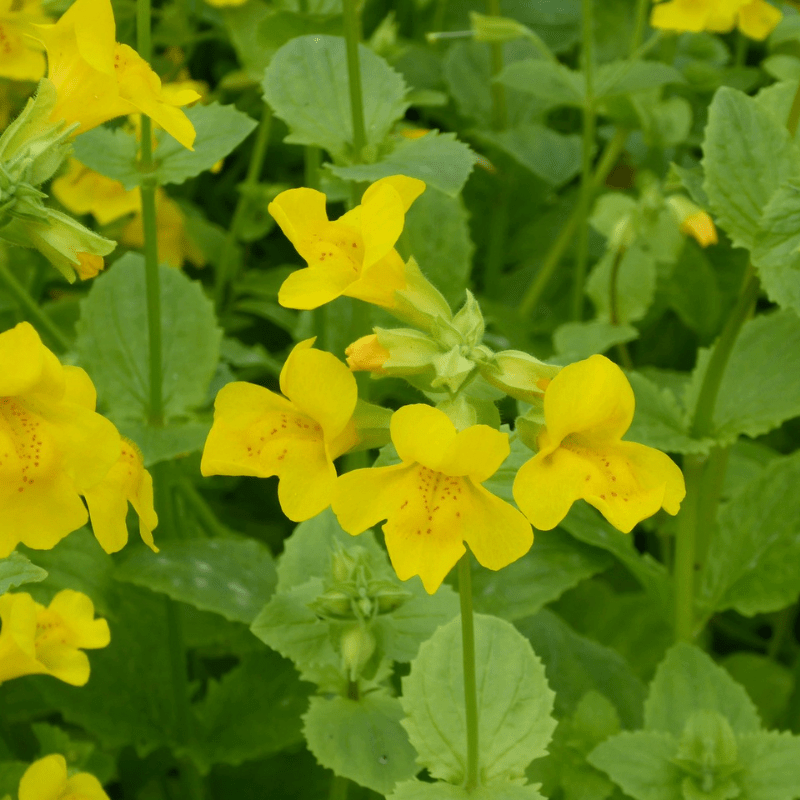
357 646
496 30
519 375
334 604
420 303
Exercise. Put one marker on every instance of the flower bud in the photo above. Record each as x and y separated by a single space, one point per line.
519 375
357 645
420 303
693 220
496 30
367 355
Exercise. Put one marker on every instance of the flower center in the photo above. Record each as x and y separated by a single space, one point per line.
20 444
436 500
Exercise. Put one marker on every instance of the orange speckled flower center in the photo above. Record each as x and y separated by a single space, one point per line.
334 237
277 430
24 454
436 501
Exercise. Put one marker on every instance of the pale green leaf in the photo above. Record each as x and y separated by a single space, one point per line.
753 556
640 762
771 766
549 81
306 84
555 563
624 77
417 790
362 740
514 702
439 159
686 681
768 682
168 441
574 341
15 570
112 153
747 156
437 234
554 157
232 578
112 345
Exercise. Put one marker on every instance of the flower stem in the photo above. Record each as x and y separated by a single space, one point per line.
642 7
686 550
499 105
41 320
352 35
587 181
613 305
225 268
794 114
551 261
470 683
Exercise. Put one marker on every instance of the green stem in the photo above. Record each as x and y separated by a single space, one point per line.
200 508
784 621
551 261
312 161
499 105
470 683
226 268
613 302
642 7
495 247
740 56
686 551
794 113
589 125
40 319
710 491
339 788
352 35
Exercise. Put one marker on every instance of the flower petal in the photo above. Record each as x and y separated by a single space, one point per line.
680 15
591 397
312 287
320 386
298 212
306 480
382 220
758 19
364 497
477 451
495 531
77 612
409 189
21 359
45 779
86 787
378 284
422 434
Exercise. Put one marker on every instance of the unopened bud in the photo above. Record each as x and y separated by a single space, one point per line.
693 220
496 30
519 375
420 302
367 355
357 645
333 603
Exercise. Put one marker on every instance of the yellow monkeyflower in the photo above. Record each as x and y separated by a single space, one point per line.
433 501
174 245
98 79
296 437
693 221
35 640
588 406
54 448
367 355
21 59
754 18
353 255
47 779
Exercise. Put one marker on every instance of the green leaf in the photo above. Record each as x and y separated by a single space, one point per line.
417 790
576 665
641 763
243 25
306 84
769 683
771 762
555 563
693 292
437 234
624 77
252 711
15 570
11 773
758 391
777 247
362 740
574 341
220 129
114 154
747 156
232 578
751 564
549 81
175 438
636 283
439 159
514 702
686 681
554 157
113 348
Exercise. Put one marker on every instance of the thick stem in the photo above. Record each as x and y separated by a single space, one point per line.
686 551
794 113
589 125
470 683
352 35
51 331
551 261
613 306
642 7
225 268
312 161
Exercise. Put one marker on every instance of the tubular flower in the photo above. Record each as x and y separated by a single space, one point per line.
353 255
51 444
55 448
754 18
98 79
20 58
367 355
433 501
47 779
296 436
588 406
35 640
693 221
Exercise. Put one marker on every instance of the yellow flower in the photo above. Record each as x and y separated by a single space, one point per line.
433 501
367 355
83 191
47 779
296 437
755 18
35 640
701 227
98 79
588 406
20 57
352 256
55 448
174 244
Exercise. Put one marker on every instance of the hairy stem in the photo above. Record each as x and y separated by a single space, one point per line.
470 683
